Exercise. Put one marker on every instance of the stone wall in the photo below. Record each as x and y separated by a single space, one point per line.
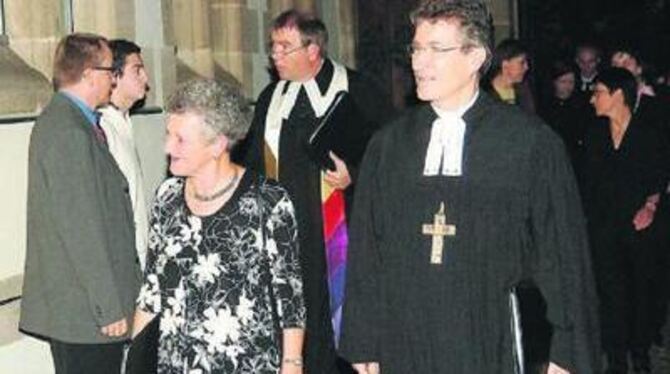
226 39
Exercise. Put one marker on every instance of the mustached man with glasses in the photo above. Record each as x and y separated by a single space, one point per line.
81 272
288 113
457 201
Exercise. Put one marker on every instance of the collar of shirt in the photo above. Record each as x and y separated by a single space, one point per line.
445 148
91 115
587 80
458 112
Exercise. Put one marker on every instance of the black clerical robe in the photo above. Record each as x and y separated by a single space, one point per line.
300 174
517 215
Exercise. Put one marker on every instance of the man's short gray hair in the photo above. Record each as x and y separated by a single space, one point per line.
225 111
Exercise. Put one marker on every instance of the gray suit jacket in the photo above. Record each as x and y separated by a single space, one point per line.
81 268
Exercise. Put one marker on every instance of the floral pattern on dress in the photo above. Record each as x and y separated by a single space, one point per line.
223 285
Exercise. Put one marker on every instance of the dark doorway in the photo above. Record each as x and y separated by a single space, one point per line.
384 30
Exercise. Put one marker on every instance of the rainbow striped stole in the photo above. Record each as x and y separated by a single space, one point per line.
336 240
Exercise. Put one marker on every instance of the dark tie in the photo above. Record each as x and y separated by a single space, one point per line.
97 129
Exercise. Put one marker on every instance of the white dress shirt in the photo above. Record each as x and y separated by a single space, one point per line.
119 131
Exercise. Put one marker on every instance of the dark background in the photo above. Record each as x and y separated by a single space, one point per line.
551 29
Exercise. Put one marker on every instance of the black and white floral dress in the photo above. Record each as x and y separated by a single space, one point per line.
223 286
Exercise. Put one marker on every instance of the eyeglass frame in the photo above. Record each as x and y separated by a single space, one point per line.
285 53
411 50
104 68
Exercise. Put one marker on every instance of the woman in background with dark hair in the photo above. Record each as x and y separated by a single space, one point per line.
623 176
563 111
505 79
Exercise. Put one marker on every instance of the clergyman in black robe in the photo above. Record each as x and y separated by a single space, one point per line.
300 172
436 248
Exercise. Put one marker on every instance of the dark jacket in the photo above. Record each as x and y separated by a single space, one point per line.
81 270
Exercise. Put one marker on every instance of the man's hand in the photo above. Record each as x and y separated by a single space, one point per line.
115 329
555 369
339 178
367 368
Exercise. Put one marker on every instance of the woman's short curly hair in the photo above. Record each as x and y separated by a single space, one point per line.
224 110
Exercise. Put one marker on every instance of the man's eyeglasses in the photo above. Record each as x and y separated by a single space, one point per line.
414 50
103 68
282 50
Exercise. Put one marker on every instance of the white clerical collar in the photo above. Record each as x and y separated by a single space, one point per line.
445 149
458 112
588 80
286 94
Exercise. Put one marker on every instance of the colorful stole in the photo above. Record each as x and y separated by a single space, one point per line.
336 240
332 201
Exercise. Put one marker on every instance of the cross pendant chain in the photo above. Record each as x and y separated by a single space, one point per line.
438 230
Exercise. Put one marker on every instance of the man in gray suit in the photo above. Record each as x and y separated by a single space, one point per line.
82 274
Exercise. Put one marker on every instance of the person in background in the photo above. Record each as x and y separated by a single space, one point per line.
81 272
222 272
286 114
130 87
563 111
587 58
629 59
624 173
505 79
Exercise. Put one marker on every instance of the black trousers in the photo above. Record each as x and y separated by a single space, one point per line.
86 358
624 263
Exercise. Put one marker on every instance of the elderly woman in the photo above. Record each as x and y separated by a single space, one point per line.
222 269
624 175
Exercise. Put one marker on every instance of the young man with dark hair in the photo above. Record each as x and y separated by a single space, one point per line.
131 85
480 197
81 274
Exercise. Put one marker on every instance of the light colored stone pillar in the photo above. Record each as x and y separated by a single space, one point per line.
109 18
231 33
189 20
347 28
153 34
275 7
259 28
306 5
341 22
504 19
34 28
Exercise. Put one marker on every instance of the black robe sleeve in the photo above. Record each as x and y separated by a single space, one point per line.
562 266
360 328
375 109
249 152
